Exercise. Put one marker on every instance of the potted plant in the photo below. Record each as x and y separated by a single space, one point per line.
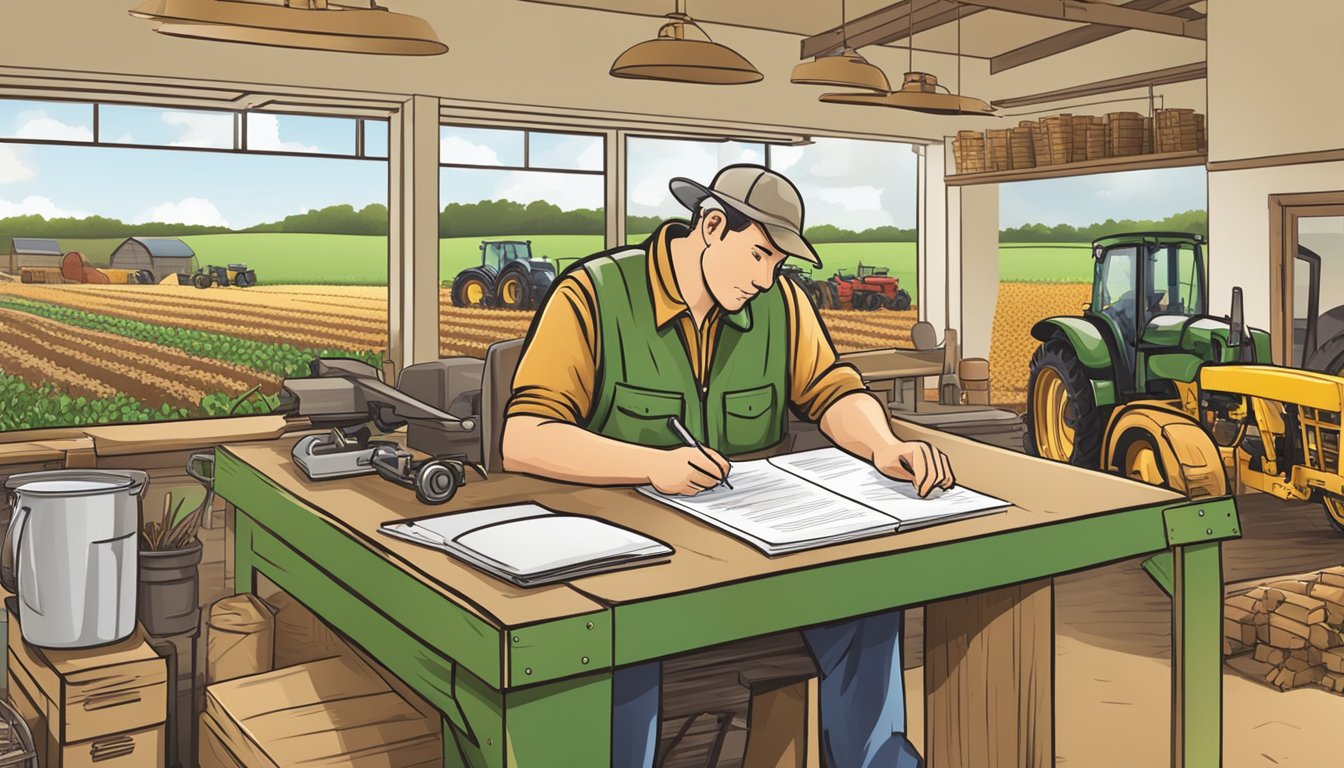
168 602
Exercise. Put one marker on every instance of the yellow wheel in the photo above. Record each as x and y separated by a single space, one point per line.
1141 463
1063 422
1050 403
514 291
471 289
1334 511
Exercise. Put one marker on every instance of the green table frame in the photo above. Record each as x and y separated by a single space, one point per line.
540 695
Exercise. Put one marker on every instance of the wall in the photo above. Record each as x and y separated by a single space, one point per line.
1285 98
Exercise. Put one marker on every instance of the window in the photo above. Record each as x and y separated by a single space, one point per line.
132 338
304 134
1175 284
46 120
517 208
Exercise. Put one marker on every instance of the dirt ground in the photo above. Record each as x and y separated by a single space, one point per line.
1113 659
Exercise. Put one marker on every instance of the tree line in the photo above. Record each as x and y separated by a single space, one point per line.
492 218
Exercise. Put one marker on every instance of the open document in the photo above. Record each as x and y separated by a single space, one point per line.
528 544
815 498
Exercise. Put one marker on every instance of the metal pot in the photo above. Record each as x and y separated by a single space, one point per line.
71 554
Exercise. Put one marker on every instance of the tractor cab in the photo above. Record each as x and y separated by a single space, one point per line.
500 253
1145 290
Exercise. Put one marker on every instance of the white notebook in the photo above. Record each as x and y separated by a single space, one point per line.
815 498
528 544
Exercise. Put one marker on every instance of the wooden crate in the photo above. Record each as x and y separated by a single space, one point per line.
1022 151
968 149
1081 125
997 149
1096 140
1059 135
1176 130
1040 145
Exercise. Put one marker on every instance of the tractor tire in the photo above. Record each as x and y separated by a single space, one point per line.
1137 458
1328 357
813 291
900 302
514 290
201 280
1063 423
473 288
867 301
1334 511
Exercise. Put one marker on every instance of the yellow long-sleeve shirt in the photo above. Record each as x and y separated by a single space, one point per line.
558 369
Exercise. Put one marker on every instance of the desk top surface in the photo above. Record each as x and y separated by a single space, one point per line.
895 363
1043 493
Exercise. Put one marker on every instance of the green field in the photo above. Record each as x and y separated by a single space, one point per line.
362 260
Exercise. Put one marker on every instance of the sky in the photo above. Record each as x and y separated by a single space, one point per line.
850 184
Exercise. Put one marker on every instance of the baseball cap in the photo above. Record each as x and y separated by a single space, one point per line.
761 195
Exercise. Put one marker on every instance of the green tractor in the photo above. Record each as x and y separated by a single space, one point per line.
1143 338
508 277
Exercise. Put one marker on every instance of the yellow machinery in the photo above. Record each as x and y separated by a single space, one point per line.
1273 429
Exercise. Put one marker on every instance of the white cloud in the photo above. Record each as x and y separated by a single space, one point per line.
567 192
36 124
263 132
37 204
455 149
204 130
648 192
12 167
864 198
191 210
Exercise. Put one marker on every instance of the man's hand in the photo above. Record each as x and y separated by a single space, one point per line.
923 465
687 471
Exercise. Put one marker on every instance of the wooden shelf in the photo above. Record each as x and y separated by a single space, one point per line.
1108 165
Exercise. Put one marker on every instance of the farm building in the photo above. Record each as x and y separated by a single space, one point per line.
160 255
995 503
33 252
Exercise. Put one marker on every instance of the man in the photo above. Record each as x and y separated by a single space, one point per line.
694 323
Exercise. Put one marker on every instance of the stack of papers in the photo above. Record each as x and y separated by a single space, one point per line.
815 498
528 544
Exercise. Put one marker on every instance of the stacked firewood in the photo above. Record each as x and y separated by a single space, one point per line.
1294 625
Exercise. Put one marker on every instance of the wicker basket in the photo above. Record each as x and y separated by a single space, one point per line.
1124 133
16 741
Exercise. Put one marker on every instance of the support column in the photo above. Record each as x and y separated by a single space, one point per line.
614 207
932 237
978 267
413 232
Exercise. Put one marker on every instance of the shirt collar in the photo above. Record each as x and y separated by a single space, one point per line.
668 303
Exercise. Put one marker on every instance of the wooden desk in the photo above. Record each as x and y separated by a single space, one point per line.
523 676
895 365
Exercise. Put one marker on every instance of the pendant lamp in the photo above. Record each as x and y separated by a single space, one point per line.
672 56
920 91
311 24
843 67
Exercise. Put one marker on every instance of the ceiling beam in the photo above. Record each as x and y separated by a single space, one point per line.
887 25
1180 74
1090 12
1075 38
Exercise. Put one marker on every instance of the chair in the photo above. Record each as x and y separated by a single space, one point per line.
501 362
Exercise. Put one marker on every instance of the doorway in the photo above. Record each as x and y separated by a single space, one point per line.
1307 280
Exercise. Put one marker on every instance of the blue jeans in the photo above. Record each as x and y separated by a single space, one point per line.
862 699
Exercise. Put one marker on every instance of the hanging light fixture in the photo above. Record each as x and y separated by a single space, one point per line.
671 56
843 67
920 91
312 24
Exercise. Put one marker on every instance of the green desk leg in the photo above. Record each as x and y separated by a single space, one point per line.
1197 656
556 724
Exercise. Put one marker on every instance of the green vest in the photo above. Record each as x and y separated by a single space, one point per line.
644 375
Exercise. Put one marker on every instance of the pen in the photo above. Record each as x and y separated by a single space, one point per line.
674 424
